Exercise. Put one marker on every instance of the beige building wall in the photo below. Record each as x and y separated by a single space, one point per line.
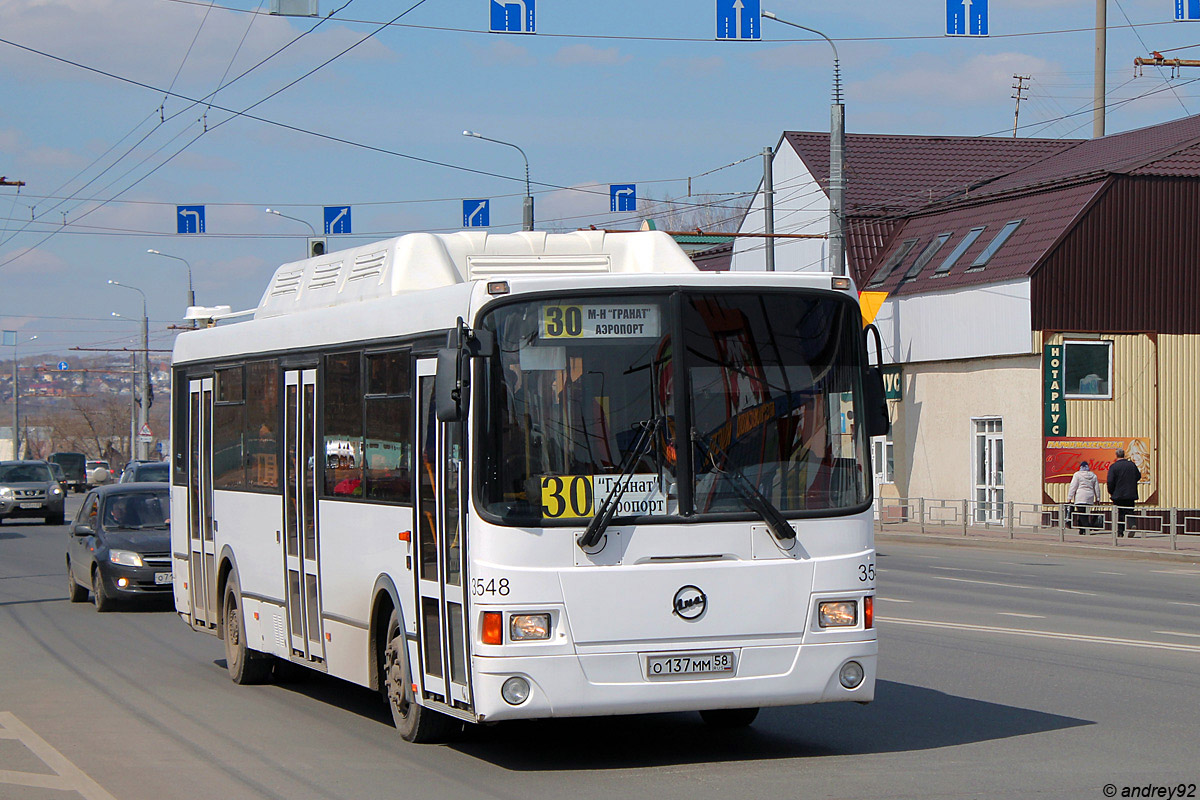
934 433
1156 394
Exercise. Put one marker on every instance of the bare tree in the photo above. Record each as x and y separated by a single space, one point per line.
710 213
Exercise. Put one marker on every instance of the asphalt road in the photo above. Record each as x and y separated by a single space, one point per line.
1005 673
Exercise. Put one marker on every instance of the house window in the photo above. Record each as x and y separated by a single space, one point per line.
957 252
927 255
893 262
884 460
983 258
1087 370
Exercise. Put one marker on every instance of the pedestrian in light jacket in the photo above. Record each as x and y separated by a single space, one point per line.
1123 477
1085 487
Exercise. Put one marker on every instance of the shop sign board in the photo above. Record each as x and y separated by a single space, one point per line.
1062 456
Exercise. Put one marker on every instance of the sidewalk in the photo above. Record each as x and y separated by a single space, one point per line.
1186 547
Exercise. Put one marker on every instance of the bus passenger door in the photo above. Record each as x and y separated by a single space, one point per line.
301 541
202 553
442 628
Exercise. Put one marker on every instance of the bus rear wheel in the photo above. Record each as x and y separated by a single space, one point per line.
729 717
414 722
245 666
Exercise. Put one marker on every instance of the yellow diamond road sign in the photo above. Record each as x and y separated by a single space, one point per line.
870 303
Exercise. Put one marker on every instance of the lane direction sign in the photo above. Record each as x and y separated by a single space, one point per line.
337 219
62 366
513 16
622 197
189 219
967 17
1187 10
477 213
739 19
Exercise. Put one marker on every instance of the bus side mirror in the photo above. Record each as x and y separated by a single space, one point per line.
876 411
450 387
874 393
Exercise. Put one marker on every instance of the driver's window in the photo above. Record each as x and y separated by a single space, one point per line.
88 511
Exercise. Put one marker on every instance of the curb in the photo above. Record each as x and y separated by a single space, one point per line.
1107 551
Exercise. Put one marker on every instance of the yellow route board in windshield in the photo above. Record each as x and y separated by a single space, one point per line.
600 321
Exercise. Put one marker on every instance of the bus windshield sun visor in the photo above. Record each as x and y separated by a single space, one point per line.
608 508
755 499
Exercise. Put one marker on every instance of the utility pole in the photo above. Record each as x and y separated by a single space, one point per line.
1019 96
1101 59
768 209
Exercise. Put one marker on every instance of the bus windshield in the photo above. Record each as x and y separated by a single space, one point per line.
772 382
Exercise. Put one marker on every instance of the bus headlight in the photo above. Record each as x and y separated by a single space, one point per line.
515 691
126 558
851 674
837 614
527 627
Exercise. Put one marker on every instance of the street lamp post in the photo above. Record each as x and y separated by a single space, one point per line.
16 437
133 403
527 209
143 448
316 244
837 158
191 291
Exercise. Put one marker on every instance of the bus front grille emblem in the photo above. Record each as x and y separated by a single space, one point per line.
690 603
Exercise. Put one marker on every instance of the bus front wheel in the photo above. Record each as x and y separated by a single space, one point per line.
414 722
245 666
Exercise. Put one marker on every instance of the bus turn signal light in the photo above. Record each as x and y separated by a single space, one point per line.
869 611
493 627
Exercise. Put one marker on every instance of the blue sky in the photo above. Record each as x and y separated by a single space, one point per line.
620 91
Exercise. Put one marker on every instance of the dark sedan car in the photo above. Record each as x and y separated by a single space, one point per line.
146 471
28 489
119 545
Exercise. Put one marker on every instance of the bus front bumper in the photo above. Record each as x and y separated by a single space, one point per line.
618 683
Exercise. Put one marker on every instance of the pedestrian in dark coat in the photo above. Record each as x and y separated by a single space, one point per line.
1123 477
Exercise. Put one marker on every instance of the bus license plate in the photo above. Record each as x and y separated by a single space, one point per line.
164 577
689 664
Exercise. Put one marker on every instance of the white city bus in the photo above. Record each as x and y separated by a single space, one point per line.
533 475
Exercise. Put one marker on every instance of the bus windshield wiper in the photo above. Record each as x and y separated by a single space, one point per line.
751 495
596 528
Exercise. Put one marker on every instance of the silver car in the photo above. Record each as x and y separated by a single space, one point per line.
28 489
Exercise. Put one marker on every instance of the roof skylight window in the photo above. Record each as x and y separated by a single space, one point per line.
959 249
890 265
927 255
996 243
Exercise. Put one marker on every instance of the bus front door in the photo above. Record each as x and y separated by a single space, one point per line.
201 551
301 540
442 625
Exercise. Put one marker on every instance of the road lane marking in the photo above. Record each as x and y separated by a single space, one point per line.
1012 585
1179 603
1069 637
1179 633
68 777
1176 571
1015 614
1110 573
894 600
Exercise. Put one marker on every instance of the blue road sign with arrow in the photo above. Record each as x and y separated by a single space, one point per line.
966 17
1187 10
476 213
739 19
622 197
189 219
337 219
62 366
513 17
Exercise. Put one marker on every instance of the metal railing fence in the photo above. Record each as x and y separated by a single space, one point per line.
1059 521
